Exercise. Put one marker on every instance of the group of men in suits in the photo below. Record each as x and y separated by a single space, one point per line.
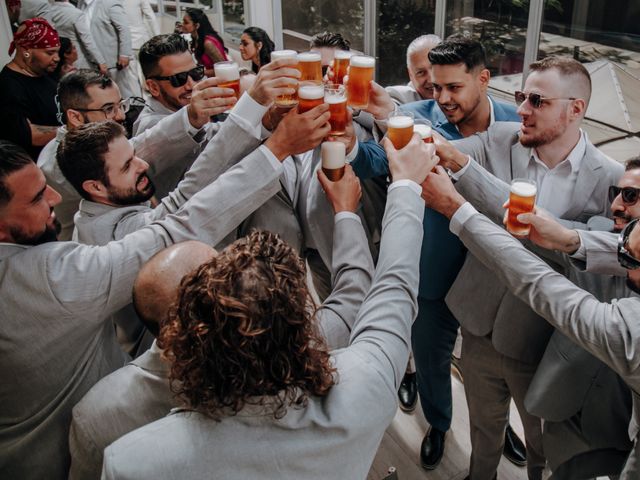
232 338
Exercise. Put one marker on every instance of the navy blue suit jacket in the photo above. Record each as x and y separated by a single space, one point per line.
442 252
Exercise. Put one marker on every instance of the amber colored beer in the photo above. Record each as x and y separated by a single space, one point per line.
425 132
522 199
291 99
400 130
333 159
229 76
336 98
310 95
360 75
340 65
310 66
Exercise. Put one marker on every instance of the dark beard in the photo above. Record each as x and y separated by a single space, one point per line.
132 196
49 235
632 286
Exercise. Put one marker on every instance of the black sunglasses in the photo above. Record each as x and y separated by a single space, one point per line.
629 195
535 99
179 79
625 259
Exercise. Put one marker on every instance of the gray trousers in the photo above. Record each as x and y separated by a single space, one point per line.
490 380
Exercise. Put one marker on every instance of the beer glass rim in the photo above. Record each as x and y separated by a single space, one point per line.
309 56
527 181
284 54
308 84
366 61
401 113
343 54
330 87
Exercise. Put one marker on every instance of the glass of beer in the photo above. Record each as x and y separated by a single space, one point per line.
360 74
310 66
522 198
291 99
423 128
340 65
335 96
399 128
229 76
310 95
333 159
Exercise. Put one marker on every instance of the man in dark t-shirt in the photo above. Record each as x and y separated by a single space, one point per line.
26 90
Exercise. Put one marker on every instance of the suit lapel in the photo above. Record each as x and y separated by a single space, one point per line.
520 158
585 185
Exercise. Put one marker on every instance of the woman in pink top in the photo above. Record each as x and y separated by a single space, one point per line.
206 44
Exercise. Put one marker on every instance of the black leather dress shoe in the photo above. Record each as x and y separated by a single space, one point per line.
408 392
514 449
432 449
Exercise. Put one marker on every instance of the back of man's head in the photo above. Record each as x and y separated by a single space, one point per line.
158 47
82 150
12 159
458 49
242 329
72 89
330 40
632 164
156 286
575 77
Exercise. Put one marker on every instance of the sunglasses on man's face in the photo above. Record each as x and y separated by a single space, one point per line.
535 99
629 195
625 259
179 79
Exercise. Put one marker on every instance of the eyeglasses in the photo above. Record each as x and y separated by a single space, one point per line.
179 79
629 195
625 259
110 109
535 99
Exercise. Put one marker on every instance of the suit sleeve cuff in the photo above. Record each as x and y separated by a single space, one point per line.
340 215
272 158
464 213
406 183
248 113
353 153
455 176
581 253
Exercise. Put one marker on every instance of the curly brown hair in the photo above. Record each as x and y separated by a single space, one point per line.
243 332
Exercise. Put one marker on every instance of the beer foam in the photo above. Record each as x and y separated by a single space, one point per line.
524 189
400 121
333 98
278 54
342 54
308 57
226 71
333 154
311 92
423 130
362 61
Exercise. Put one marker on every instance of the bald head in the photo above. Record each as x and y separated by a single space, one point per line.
154 290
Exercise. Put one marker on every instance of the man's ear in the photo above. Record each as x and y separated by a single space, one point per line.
484 76
95 189
153 87
74 118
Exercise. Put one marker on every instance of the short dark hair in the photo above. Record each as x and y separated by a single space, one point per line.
331 40
72 89
81 153
567 67
632 164
157 47
458 49
12 159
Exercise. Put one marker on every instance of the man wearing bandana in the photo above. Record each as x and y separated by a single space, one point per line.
26 90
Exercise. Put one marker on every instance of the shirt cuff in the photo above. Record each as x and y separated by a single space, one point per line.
581 253
340 215
406 183
353 153
248 113
191 130
456 175
272 158
464 213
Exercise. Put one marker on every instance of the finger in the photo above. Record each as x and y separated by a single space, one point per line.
216 92
526 218
505 217
506 204
388 146
441 171
324 181
206 83
279 63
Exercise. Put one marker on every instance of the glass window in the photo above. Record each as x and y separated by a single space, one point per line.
399 22
301 19
233 22
501 26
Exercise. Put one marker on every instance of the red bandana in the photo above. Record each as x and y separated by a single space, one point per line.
38 33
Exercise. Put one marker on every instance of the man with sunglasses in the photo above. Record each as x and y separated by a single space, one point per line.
609 331
503 339
85 96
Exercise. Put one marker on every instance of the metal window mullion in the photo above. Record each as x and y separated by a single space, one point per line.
370 27
440 18
534 26
278 38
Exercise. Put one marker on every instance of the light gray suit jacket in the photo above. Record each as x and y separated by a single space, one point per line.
609 331
162 146
72 23
110 29
36 8
480 302
139 393
401 94
54 302
327 436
